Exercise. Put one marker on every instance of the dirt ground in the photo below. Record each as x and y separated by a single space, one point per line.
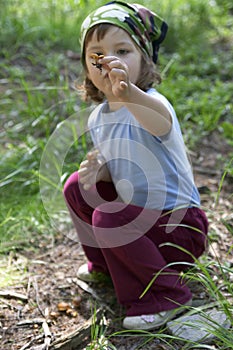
49 285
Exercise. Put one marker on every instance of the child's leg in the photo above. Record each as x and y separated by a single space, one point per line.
133 265
81 205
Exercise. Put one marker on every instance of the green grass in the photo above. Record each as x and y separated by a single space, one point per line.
37 96
203 273
12 271
36 78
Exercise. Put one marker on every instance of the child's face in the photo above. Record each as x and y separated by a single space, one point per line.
117 43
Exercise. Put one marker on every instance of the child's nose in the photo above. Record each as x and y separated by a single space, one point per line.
110 52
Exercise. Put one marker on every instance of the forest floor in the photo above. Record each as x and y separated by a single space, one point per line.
47 281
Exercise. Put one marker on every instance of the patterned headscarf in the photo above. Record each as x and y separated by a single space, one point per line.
146 28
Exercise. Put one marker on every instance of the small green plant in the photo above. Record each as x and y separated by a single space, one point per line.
99 339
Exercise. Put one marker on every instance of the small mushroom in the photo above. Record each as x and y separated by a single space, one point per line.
96 58
71 312
76 301
63 306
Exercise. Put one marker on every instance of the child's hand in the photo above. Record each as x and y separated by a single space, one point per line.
93 170
89 169
118 76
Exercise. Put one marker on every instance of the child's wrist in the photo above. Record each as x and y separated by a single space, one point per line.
126 92
127 96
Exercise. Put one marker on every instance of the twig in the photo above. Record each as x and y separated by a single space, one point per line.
30 322
86 288
35 285
208 171
8 294
91 291
26 346
29 285
47 334
18 308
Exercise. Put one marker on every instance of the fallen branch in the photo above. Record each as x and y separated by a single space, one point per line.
13 295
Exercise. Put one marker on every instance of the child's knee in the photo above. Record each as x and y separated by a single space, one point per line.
71 185
101 216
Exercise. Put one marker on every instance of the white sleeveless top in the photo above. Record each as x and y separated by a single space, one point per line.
148 171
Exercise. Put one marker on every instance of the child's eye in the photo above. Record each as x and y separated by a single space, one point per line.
122 52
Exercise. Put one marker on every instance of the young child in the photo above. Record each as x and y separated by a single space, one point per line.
133 201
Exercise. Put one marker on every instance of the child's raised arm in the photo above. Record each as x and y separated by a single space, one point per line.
149 111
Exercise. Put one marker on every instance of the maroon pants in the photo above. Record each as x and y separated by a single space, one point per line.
133 245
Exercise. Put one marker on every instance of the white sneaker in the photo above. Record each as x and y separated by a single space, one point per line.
147 322
91 277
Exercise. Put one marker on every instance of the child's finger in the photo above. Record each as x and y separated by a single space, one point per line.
87 178
108 59
92 155
123 85
86 181
84 164
83 171
118 73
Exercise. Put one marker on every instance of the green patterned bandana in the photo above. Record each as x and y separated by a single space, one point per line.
146 28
